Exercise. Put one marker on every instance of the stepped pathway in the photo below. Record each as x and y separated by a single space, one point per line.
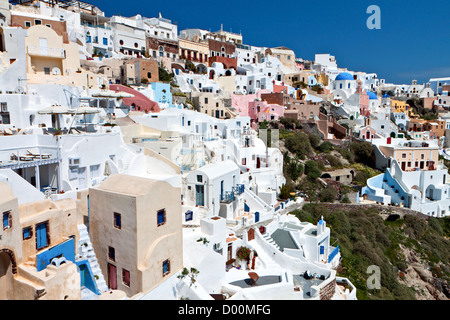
264 260
86 252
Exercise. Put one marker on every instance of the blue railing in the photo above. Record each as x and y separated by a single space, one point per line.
333 254
239 189
227 197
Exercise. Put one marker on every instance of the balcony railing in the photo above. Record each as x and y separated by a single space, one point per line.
333 254
46 52
227 197
238 189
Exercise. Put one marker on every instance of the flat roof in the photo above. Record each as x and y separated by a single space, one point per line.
263 280
284 239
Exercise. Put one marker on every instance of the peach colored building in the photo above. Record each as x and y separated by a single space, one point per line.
413 158
31 236
52 60
136 231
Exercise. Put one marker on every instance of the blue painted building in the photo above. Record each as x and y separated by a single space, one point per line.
162 94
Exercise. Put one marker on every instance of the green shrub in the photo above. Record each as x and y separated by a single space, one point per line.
334 161
328 194
326 146
312 170
298 144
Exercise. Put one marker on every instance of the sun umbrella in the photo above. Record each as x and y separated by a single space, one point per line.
84 110
56 110
113 94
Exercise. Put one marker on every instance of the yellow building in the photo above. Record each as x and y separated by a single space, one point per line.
193 51
285 55
50 59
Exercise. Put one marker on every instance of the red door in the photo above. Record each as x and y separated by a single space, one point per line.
251 234
112 277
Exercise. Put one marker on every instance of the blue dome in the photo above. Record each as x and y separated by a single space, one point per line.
372 95
386 95
344 76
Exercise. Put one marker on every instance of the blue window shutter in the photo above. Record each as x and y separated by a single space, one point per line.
161 217
26 233
5 220
322 249
41 235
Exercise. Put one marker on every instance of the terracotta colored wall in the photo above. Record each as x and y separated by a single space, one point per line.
59 26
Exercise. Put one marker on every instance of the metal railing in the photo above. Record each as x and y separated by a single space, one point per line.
227 197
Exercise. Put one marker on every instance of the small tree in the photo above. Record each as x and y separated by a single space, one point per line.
328 194
326 146
312 170
191 274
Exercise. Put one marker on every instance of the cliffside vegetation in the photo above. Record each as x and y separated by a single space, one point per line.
413 253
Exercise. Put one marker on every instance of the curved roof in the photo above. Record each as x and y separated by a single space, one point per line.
372 95
344 76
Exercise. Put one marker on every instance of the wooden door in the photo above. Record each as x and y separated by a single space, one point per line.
251 234
112 276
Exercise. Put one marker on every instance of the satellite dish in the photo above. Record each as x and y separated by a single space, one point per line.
56 71
20 90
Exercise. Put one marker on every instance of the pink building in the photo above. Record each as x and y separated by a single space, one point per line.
239 102
260 110
368 133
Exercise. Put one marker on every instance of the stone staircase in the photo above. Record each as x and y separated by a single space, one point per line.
269 239
86 252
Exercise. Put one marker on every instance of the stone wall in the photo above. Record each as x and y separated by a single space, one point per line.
384 210
327 292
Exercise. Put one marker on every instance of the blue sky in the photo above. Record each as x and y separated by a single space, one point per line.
413 42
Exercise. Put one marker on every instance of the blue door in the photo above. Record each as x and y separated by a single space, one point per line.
221 190
256 216
246 208
41 236
217 114
83 271
199 195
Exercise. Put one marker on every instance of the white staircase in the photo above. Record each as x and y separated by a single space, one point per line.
270 240
264 260
86 252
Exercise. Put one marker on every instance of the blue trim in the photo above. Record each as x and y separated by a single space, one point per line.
65 249
88 276
333 254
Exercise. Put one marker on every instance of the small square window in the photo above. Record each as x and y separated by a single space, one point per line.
46 70
166 267
161 217
199 178
27 24
112 254
126 277
37 22
27 233
117 220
